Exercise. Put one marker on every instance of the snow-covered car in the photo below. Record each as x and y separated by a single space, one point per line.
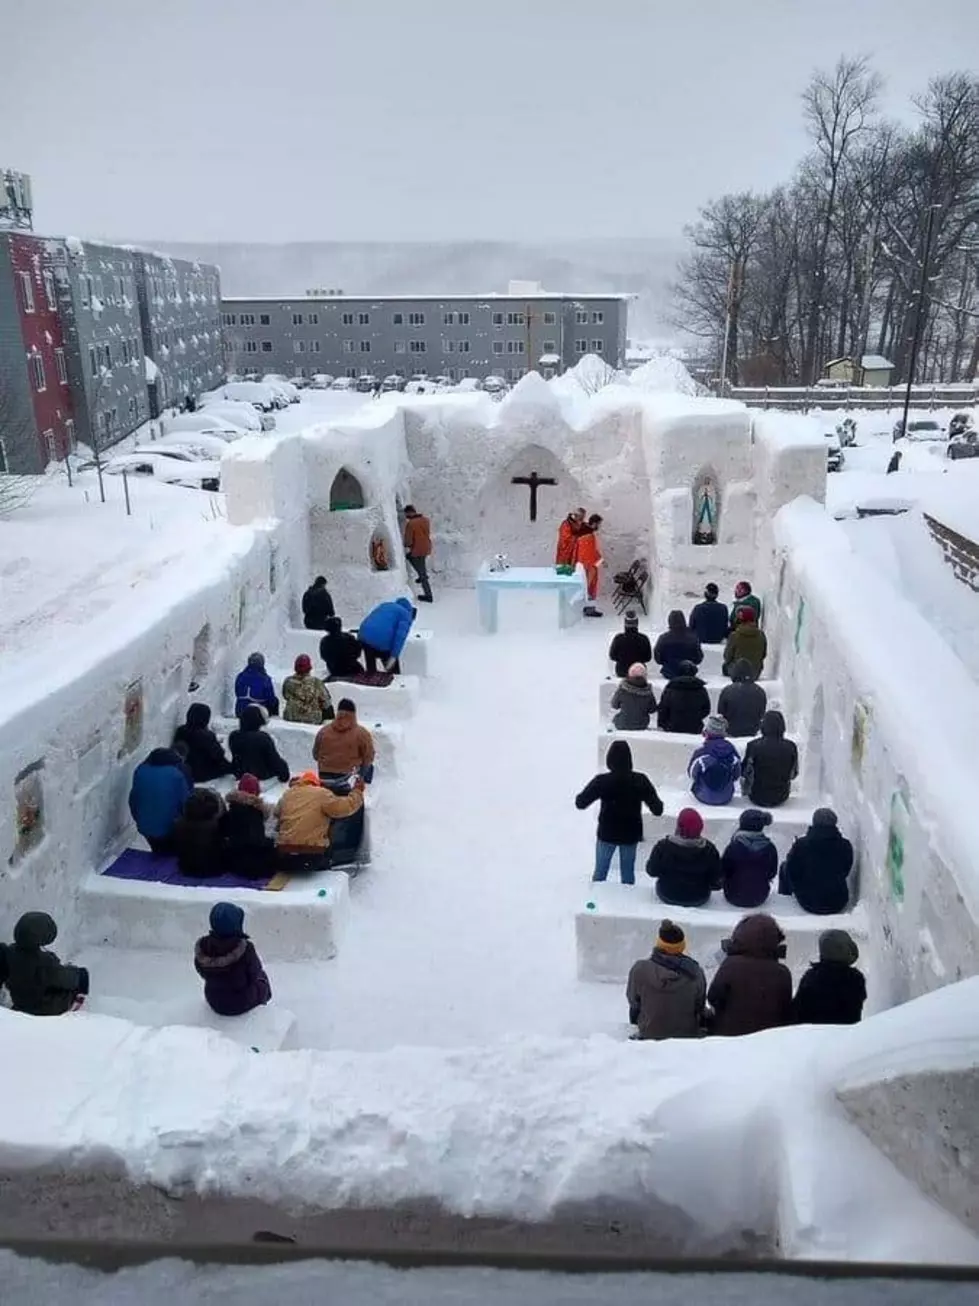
165 466
834 453
342 383
255 393
322 381
300 382
960 424
199 444
444 382
282 387
964 444
393 382
208 422
495 385
365 383
470 383
847 432
242 415
922 428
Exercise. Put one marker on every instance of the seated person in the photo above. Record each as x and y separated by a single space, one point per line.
304 815
340 650
715 766
685 865
254 685
818 866
771 763
247 851
344 748
749 863
159 790
667 991
36 980
743 702
746 642
317 605
305 697
630 645
634 700
685 703
253 750
832 991
677 645
384 632
744 598
235 981
197 834
752 989
206 758
710 621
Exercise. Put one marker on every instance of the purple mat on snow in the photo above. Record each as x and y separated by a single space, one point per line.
135 864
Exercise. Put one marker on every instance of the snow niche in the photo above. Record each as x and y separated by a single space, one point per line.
346 492
522 503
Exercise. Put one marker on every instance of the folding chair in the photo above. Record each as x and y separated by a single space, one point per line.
630 586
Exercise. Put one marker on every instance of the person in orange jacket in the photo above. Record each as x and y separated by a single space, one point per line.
566 536
588 552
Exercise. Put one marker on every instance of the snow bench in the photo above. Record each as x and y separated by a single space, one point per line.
711 665
617 925
662 755
301 922
395 702
788 821
773 688
414 657
266 1029
294 740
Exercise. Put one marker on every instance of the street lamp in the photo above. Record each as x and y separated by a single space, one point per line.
916 338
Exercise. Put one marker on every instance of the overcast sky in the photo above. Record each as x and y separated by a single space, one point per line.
428 119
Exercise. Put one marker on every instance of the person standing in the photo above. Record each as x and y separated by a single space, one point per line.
418 548
745 598
159 790
667 992
567 536
588 552
621 792
317 605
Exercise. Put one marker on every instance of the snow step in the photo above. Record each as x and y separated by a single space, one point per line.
414 657
773 688
789 821
266 1029
295 742
663 756
395 702
620 926
711 665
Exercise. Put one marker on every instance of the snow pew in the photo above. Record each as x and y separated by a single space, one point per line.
664 756
788 821
414 657
773 688
266 1029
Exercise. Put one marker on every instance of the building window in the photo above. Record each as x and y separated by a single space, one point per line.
93 361
581 317
266 346
297 319
363 319
229 319
85 290
515 346
70 433
398 319
37 372
497 346
264 319
416 319
365 346
597 345
418 347
248 319
497 319
59 362
550 319
399 346
448 319
313 319
598 318
515 373
548 347
515 319
124 351
463 319
107 356
314 346
351 372
26 291
133 409
251 347
299 346
448 346
464 345
581 346
49 292
348 346
347 319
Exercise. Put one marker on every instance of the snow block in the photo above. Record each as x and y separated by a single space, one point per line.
621 926
663 756
295 742
266 1029
788 821
414 657
773 688
304 921
395 702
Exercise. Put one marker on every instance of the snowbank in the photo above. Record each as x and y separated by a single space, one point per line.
664 372
954 499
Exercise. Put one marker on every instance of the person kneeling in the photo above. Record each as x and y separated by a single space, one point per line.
235 981
667 991
37 981
304 814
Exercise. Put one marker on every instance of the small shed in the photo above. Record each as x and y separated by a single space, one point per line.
875 370
843 371
549 365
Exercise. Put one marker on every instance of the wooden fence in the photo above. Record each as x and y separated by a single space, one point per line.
803 398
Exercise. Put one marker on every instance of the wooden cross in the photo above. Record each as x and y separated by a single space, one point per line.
534 482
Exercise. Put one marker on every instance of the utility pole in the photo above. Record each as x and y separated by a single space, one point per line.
530 363
727 326
916 337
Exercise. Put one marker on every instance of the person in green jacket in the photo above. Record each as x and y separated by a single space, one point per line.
38 983
744 598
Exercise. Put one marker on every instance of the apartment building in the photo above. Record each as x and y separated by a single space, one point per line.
181 327
451 335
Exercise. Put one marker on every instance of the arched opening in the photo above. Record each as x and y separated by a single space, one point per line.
380 550
706 508
346 492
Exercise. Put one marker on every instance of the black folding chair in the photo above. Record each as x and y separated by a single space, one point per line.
630 586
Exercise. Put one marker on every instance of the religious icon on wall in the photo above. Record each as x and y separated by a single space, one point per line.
379 553
132 709
29 805
858 738
896 835
705 508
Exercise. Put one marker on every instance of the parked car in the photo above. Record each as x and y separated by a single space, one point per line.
444 382
495 385
165 466
834 453
207 421
342 383
261 396
847 432
922 428
282 387
365 383
202 445
964 444
238 414
393 382
960 423
300 382
321 381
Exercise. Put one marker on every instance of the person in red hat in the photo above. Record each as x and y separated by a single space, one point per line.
246 849
305 697
685 865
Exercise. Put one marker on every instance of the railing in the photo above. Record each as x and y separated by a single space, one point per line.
961 554
802 398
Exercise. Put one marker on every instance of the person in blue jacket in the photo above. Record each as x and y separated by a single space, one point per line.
715 765
383 633
254 686
159 790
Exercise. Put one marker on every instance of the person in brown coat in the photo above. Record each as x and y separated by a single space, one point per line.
344 747
304 816
418 548
752 989
667 991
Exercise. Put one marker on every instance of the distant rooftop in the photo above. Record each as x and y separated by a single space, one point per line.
493 295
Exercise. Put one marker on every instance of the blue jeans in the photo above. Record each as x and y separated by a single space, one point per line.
627 860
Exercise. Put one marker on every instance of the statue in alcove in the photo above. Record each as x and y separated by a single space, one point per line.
705 512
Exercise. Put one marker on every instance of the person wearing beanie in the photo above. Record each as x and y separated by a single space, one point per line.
317 605
715 766
305 697
685 865
246 850
341 651
384 632
710 620
817 868
253 750
771 763
630 645
206 758
343 748
234 978
743 702
832 991
634 701
752 989
744 598
305 815
254 685
746 642
197 839
749 863
667 991
620 792
678 644
685 703
37 981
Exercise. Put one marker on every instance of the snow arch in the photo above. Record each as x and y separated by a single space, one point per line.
346 491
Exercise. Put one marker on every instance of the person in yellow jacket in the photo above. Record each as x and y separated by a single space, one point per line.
305 816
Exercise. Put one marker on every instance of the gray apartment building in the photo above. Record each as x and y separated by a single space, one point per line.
181 327
440 335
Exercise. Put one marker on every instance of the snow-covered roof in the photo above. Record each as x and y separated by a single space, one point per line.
448 296
549 360
152 371
875 362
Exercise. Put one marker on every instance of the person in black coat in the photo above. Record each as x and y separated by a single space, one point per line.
247 851
38 982
685 865
742 704
749 863
710 621
197 834
816 871
621 791
253 750
771 763
206 759
685 704
630 646
676 646
341 650
832 991
317 605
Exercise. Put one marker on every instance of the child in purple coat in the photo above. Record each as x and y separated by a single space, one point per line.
226 960
715 766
